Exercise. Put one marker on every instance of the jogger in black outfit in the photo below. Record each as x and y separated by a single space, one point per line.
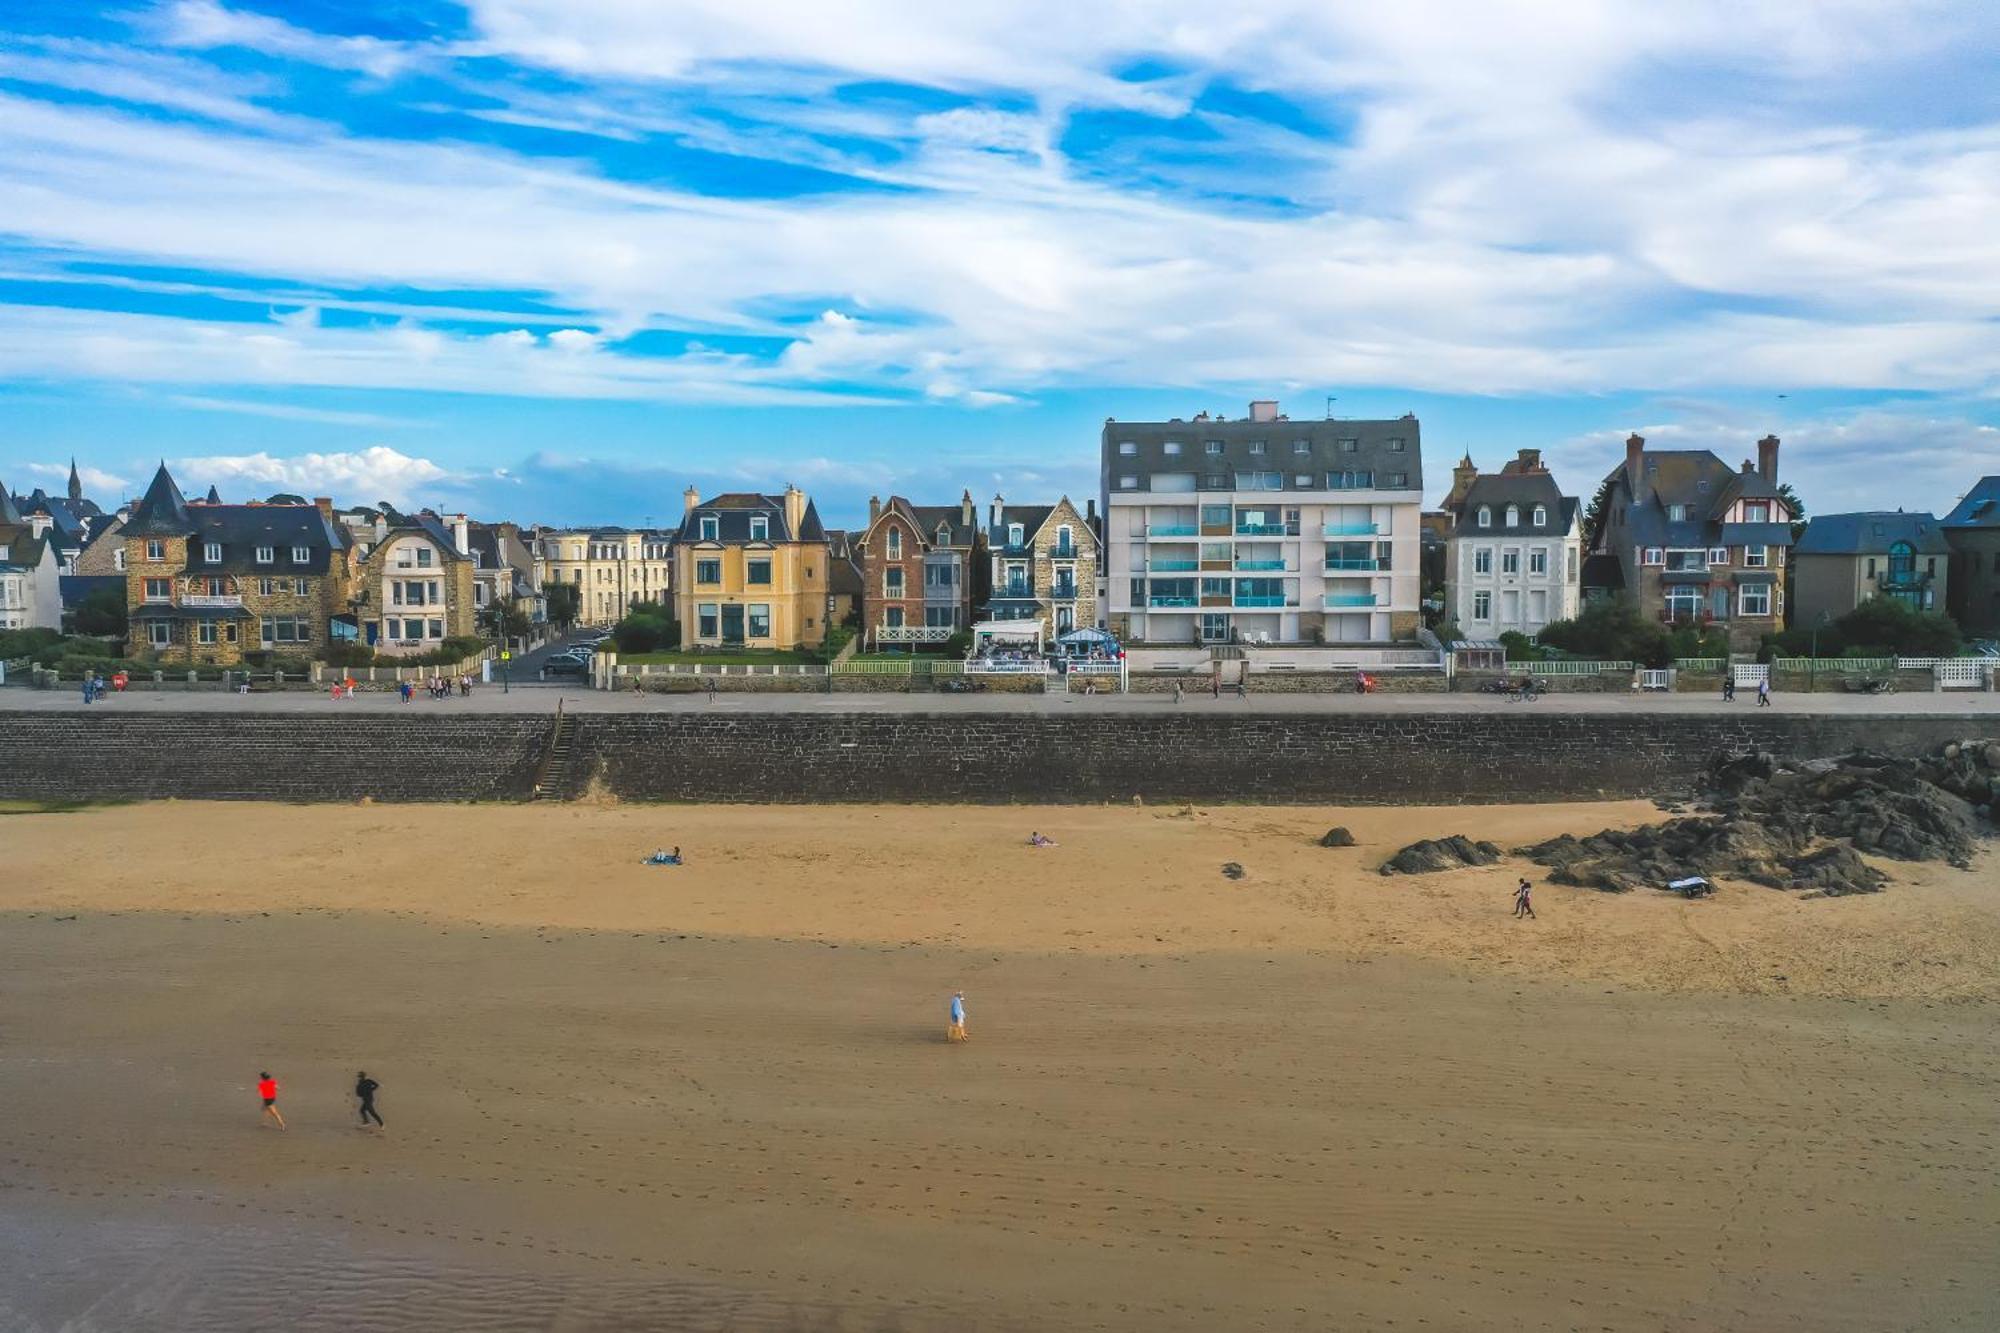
364 1088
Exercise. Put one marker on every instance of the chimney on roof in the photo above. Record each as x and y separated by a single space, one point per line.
994 510
1529 460
461 532
795 510
968 513
1264 409
689 499
325 506
1747 467
1090 510
1462 477
1767 459
1635 462
874 509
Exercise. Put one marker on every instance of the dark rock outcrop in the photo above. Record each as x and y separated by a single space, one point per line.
1797 825
1433 854
1337 837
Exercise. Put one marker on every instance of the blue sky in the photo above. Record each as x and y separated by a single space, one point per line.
553 260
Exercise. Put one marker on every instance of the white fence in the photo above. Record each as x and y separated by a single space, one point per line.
1962 673
1567 667
1752 674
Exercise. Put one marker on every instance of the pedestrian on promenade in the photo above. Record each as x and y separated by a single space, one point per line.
1177 691
365 1088
404 690
1242 688
89 694
709 681
1728 686
1523 904
1764 692
1215 685
955 1031
267 1088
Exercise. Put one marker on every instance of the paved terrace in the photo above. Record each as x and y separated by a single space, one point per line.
545 698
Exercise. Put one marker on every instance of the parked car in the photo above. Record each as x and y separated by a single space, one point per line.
561 665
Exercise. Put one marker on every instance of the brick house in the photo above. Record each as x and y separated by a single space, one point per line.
1045 562
415 588
919 565
1697 543
208 584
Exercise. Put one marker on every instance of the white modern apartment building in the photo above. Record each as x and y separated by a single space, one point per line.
1262 530
611 568
1512 561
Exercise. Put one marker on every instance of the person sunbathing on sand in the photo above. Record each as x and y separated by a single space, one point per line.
1037 840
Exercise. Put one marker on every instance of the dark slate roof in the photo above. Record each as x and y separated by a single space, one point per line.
1030 517
66 517
1980 508
928 517
1692 477
161 512
431 526
1324 453
241 529
1755 534
1524 490
9 512
1871 534
733 512
23 551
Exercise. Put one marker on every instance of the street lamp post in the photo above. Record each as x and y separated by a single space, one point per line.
1812 670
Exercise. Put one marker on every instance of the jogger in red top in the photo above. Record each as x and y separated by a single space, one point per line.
267 1088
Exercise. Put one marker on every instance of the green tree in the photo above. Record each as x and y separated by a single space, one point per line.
565 603
646 628
505 619
1798 508
102 613
1594 513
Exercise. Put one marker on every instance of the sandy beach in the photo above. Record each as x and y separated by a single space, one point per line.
718 1096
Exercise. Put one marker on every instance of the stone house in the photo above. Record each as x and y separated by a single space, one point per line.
415 587
1972 530
1045 561
751 571
210 584
503 570
1842 560
30 592
1514 553
1696 542
919 568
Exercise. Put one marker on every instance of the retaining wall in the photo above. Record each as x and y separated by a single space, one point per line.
1522 754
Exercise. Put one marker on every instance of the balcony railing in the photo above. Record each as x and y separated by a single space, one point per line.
1170 601
1339 600
1260 564
1014 590
1170 530
1063 551
1349 530
1260 529
1063 592
1171 565
1906 579
212 601
912 633
1344 566
1262 599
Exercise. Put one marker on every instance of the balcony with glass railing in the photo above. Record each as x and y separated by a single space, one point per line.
1170 601
1260 529
1340 601
1259 563
1352 565
1349 530
1262 599
1172 564
1156 531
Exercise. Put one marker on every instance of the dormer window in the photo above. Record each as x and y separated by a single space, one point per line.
266 554
895 543
1485 516
944 534
1677 513
1541 516
1016 534
212 552
1171 448
1256 446
1513 516
1213 446
711 527
760 528
301 554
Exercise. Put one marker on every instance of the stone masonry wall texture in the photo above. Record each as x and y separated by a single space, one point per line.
987 758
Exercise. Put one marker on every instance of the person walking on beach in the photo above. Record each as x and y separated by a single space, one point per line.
956 1031
1523 904
267 1088
364 1088
1764 692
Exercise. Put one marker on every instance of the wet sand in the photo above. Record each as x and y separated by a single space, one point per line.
717 1097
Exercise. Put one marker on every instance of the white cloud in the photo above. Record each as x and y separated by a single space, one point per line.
282 411
375 473
205 23
96 481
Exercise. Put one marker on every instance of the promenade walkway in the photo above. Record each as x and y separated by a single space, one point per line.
1985 707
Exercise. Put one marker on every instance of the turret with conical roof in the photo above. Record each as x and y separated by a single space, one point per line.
1462 478
161 512
214 496
75 481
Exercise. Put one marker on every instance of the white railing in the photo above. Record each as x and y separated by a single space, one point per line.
211 601
992 667
912 633
1962 673
1566 667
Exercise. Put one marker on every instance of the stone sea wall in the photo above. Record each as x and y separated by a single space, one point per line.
1240 755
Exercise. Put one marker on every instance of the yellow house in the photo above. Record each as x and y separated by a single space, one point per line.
611 568
751 571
